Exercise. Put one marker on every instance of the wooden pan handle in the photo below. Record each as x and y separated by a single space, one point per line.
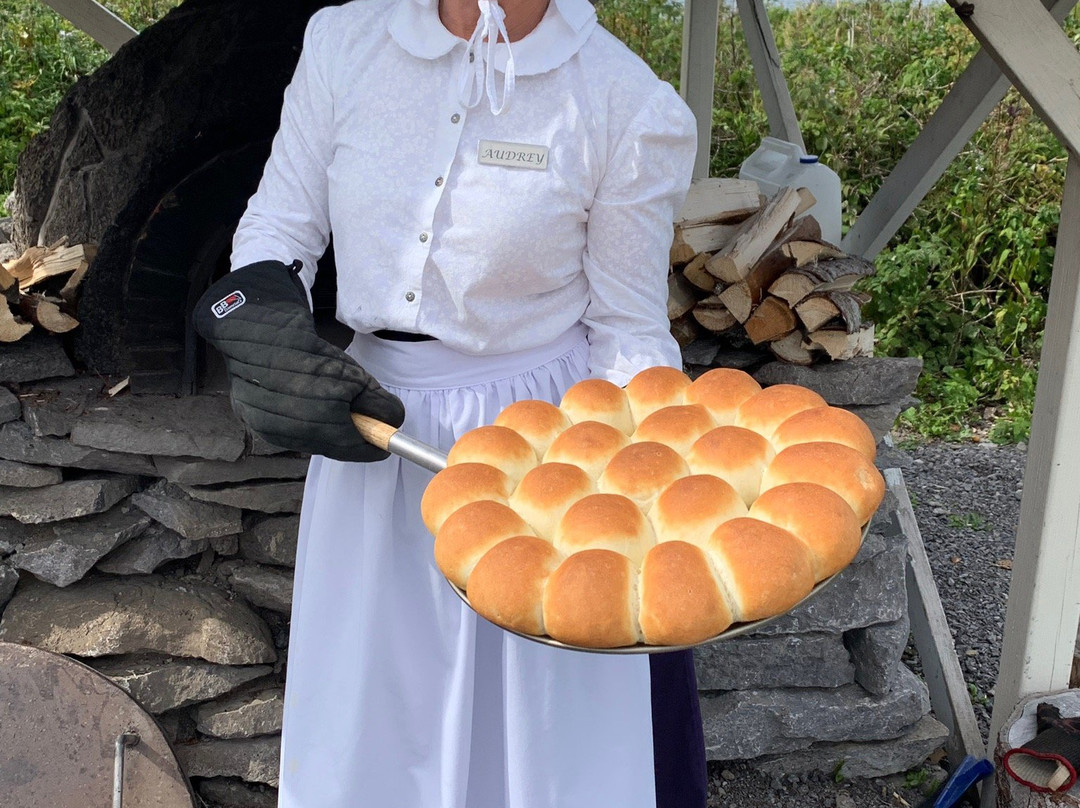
373 431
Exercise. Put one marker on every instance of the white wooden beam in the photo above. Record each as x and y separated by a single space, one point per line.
102 25
1044 593
697 82
1035 53
774 90
972 98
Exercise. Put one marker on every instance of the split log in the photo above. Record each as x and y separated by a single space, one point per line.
681 252
61 261
809 251
695 273
47 314
23 266
839 344
835 274
712 315
771 320
708 237
11 328
819 308
733 263
9 287
685 330
70 291
792 349
807 200
717 200
681 297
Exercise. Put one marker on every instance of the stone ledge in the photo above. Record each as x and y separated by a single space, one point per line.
861 381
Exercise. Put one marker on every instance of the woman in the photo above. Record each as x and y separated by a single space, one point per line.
501 183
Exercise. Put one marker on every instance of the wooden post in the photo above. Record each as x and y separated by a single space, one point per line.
697 81
106 28
1044 593
775 96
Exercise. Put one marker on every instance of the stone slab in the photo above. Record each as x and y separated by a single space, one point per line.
882 417
275 497
170 506
9 577
268 587
191 471
147 552
50 408
228 792
10 408
138 614
24 475
161 683
62 553
19 443
867 759
743 724
271 540
36 356
244 715
254 760
792 660
65 500
876 651
860 381
194 426
867 592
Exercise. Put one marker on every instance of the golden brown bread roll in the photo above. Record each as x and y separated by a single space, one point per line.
763 569
826 424
591 600
459 485
763 412
545 493
736 455
721 391
678 426
681 599
655 388
817 517
839 468
589 445
691 508
539 422
507 584
496 446
598 400
607 521
641 471
471 531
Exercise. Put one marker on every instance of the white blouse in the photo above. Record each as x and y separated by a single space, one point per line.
431 233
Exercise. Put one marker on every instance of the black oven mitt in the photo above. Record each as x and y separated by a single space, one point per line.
288 384
1050 760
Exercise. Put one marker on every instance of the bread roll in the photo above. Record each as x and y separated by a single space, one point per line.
496 446
721 391
507 584
654 389
818 518
471 531
691 508
763 570
459 485
545 493
839 468
678 427
591 600
539 422
681 599
607 521
826 424
735 455
598 400
641 471
763 412
588 445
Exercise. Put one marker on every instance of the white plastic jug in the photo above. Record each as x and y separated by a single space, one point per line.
777 163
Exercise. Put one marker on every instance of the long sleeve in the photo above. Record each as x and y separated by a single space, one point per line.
288 216
629 238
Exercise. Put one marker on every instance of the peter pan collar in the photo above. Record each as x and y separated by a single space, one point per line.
416 27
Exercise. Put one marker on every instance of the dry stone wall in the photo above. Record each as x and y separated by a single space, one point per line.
152 538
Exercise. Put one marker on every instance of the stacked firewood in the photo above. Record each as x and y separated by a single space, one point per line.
40 288
757 269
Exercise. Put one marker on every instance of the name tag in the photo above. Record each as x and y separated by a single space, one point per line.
516 155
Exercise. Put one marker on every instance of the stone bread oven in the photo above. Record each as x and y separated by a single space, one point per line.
152 537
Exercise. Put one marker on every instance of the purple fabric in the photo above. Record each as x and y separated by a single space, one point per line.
678 737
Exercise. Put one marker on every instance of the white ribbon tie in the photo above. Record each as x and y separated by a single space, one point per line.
478 78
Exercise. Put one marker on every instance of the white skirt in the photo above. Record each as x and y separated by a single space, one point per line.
399 696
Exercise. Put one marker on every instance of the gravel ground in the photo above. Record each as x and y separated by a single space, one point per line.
967 502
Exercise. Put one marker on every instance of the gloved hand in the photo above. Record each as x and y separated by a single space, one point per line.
289 385
1049 761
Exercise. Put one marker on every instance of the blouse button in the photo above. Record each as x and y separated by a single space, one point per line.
455 118
439 182
423 238
410 296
